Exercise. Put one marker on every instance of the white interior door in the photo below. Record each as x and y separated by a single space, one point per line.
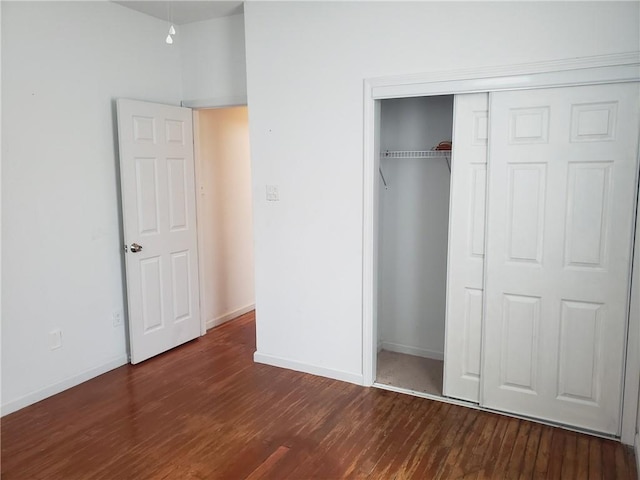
466 247
562 183
158 203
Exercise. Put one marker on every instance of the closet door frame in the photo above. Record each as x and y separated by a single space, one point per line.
617 68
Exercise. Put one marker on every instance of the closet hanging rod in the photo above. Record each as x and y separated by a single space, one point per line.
416 154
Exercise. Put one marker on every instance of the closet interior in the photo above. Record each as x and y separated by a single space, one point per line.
413 219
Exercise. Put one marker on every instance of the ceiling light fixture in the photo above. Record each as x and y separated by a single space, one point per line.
172 30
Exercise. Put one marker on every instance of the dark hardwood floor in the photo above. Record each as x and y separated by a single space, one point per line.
206 411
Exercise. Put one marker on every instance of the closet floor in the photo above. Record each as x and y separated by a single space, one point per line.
411 372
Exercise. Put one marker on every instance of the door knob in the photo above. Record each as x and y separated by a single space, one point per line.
135 248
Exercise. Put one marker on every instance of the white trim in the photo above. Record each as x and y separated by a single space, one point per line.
369 283
409 350
584 71
576 63
636 450
602 69
274 361
1 210
216 102
632 364
197 157
63 385
214 322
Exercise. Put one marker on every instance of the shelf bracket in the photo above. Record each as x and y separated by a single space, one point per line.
384 182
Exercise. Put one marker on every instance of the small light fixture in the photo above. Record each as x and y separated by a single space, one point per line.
172 30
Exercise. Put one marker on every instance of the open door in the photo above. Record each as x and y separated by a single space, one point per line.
159 215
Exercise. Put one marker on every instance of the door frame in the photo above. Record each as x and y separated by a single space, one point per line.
616 68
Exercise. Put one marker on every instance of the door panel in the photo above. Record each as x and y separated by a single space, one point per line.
466 247
562 182
178 194
158 201
587 207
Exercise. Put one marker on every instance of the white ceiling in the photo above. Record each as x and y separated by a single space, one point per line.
185 11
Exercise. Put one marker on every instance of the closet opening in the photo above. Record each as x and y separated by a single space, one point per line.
494 355
415 137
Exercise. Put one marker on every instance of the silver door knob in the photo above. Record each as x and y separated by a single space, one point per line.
135 248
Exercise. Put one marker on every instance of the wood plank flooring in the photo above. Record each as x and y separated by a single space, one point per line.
206 411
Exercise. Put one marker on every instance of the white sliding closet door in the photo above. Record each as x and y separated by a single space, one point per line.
562 182
465 266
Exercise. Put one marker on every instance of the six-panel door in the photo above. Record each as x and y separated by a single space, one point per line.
465 264
158 203
562 183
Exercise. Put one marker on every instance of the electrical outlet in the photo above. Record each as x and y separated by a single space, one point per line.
118 318
55 339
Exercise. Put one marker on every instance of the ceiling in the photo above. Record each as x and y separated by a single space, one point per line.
180 12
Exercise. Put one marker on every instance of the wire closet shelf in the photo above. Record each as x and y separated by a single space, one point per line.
416 154
446 154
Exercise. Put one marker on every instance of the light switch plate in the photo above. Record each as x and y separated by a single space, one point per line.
55 339
118 318
273 195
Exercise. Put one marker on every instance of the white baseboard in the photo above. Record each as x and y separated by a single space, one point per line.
31 398
214 322
274 361
418 352
636 449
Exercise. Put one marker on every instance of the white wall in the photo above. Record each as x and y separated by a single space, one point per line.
213 62
306 62
226 228
414 222
63 64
